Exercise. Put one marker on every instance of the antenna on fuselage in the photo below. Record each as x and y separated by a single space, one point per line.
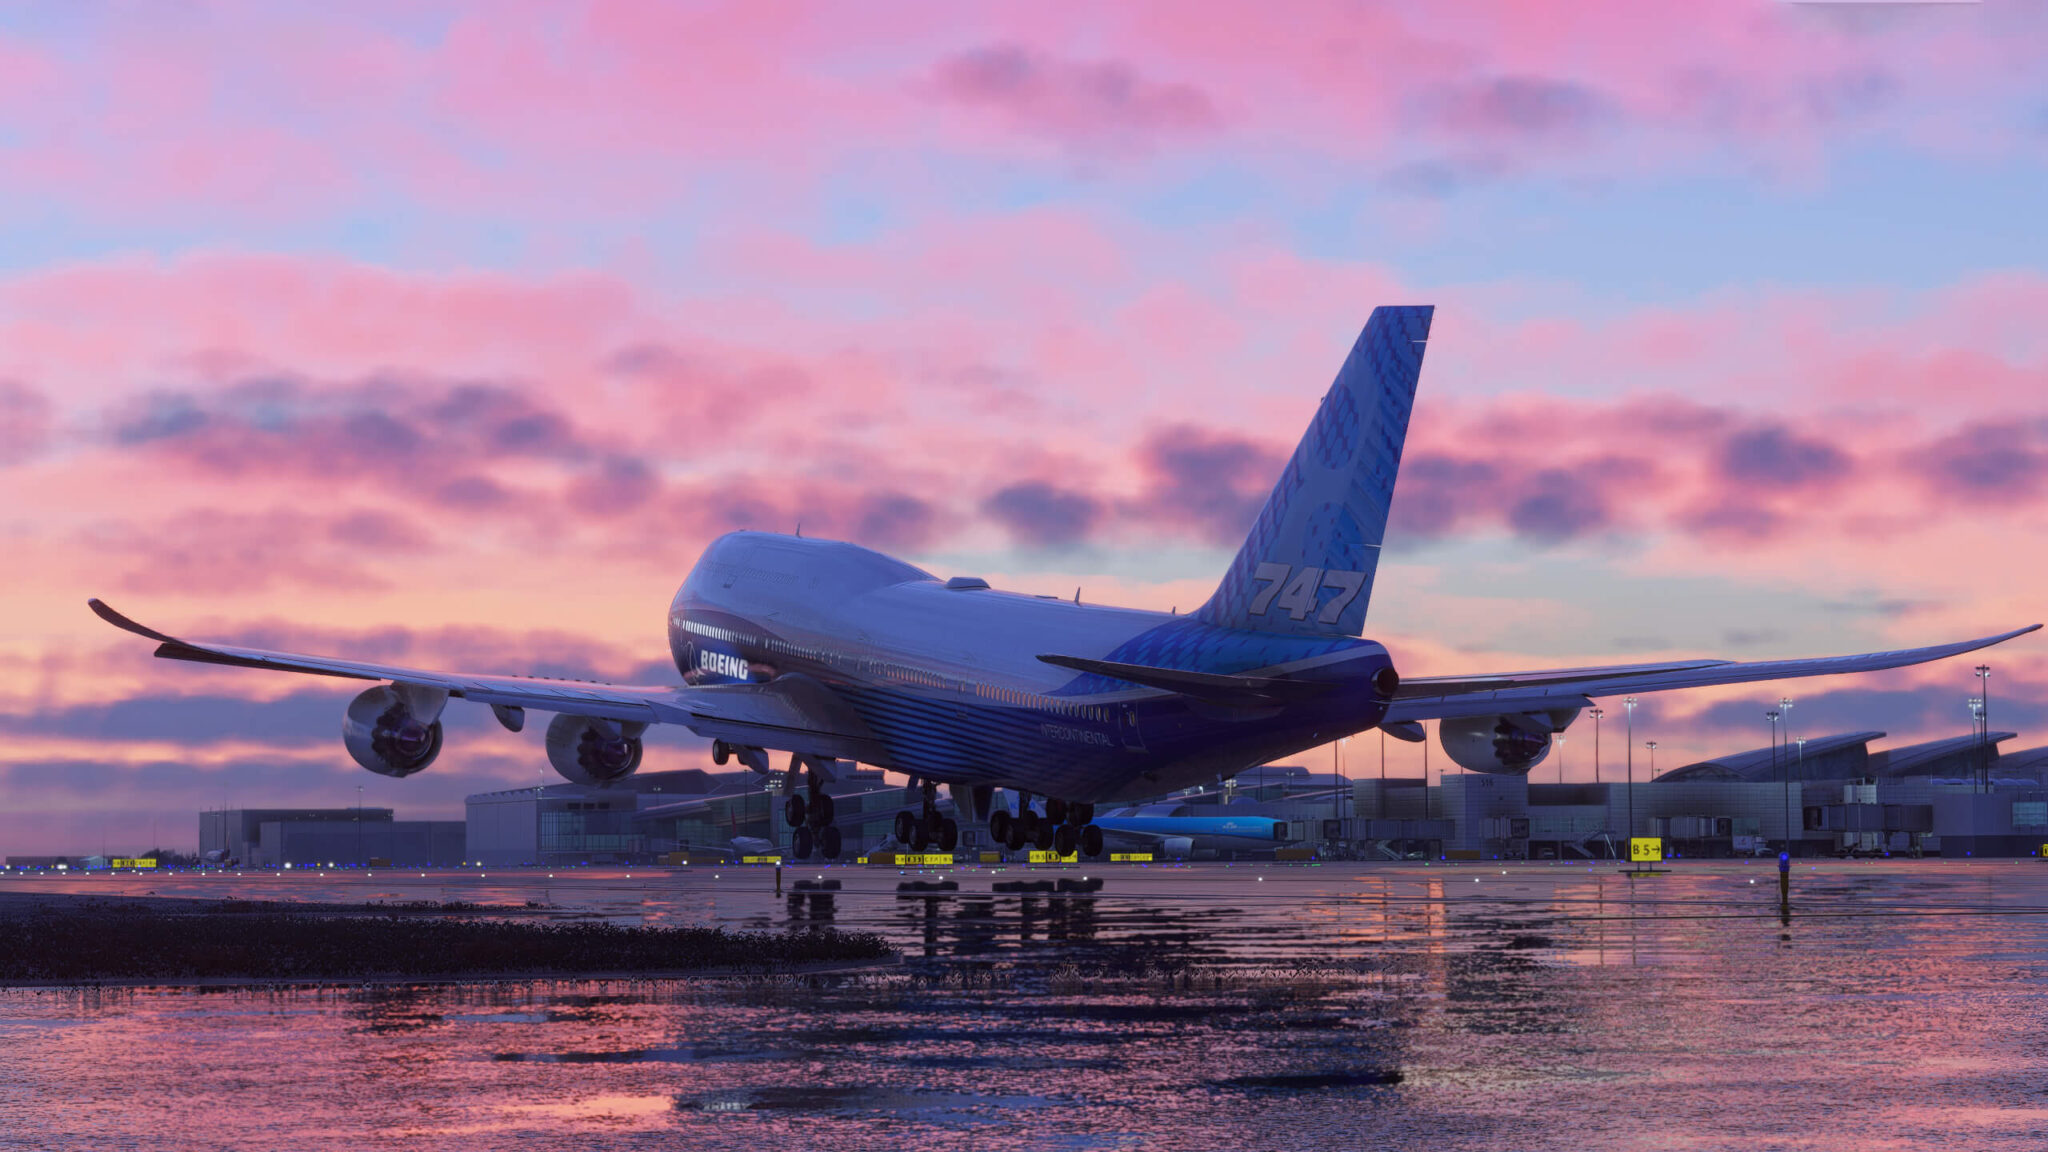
799 529
1077 593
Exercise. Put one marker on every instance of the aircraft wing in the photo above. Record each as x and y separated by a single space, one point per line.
791 714
1447 697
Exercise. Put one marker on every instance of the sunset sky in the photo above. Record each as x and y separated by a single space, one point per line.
450 333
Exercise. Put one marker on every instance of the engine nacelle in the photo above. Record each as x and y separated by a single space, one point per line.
1177 847
588 750
394 729
1502 744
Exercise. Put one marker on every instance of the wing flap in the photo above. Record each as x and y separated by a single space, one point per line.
1434 686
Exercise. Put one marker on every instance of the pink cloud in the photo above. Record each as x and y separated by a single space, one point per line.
275 114
24 422
571 408
1096 107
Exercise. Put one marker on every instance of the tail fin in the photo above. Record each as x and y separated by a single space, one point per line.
1307 567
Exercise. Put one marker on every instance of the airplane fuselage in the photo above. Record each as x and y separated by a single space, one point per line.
947 678
1202 833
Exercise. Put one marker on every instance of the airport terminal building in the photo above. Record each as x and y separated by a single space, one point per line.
317 837
1832 795
655 815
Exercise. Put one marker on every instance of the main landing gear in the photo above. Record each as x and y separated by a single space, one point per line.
927 828
810 814
1064 828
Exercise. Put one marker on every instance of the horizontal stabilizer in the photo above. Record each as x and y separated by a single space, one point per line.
1201 685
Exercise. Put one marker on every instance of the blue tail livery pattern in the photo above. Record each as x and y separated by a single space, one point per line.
1307 568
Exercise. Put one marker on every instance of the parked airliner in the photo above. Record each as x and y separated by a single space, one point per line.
832 652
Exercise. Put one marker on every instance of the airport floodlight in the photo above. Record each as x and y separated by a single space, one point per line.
1984 720
1772 714
1597 713
1629 704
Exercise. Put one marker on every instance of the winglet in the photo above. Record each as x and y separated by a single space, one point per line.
101 609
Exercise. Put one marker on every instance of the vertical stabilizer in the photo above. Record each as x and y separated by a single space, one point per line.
1307 567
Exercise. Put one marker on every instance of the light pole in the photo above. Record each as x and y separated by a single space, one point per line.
1984 695
359 825
1597 713
1652 746
1629 833
1771 714
1785 714
1976 706
1343 786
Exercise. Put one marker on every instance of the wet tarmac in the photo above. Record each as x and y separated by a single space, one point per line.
1498 1006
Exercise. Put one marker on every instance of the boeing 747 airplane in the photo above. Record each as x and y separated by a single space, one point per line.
832 652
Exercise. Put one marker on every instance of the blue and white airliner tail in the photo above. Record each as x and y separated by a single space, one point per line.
1307 567
832 652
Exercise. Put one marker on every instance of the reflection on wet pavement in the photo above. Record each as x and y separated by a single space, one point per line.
1536 1006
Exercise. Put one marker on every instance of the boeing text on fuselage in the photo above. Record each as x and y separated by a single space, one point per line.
722 664
832 652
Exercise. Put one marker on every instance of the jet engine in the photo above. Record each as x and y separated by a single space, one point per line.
1177 847
1506 744
592 751
395 729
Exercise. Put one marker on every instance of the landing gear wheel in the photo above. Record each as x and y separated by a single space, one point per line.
1045 834
1084 814
999 825
793 810
918 840
800 844
1091 841
720 753
949 835
906 827
1063 840
1015 840
828 842
1029 821
1055 810
822 810
931 823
